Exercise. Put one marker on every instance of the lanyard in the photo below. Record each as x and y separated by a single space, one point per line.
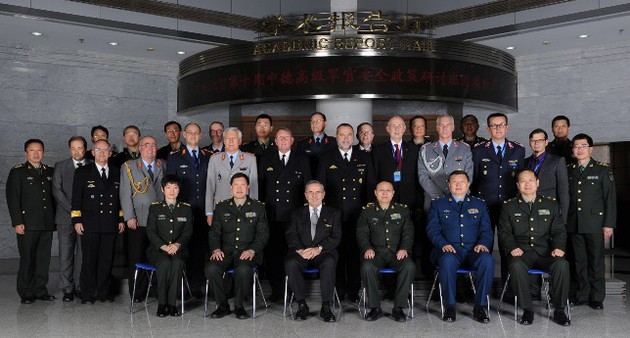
540 162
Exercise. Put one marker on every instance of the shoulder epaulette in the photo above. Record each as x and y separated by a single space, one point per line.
217 153
19 165
514 142
156 203
369 205
603 164
184 203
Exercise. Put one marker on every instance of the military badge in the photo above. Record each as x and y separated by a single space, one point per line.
250 214
182 219
485 160
332 167
161 217
473 211
395 216
544 212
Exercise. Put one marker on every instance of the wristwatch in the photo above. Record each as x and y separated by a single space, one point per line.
320 248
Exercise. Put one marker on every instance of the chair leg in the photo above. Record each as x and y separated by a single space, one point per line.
336 297
205 301
568 309
516 308
286 290
146 298
546 291
182 294
411 301
488 304
432 289
505 285
254 295
262 294
472 283
441 300
133 293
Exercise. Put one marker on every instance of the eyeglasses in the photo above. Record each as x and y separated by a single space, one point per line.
537 141
101 150
397 126
366 132
580 146
497 126
149 145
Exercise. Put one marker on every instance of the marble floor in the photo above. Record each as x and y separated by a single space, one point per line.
59 319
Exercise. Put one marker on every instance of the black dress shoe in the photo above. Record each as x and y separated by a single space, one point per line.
398 314
449 314
596 305
480 314
173 311
527 318
68 297
27 300
326 314
577 302
86 300
240 312
162 310
222 311
303 311
561 318
374 314
106 299
47 298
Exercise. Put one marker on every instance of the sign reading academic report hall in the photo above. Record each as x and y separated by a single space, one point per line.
361 66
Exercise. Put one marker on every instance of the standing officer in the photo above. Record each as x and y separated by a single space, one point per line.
459 228
365 135
592 218
216 136
30 203
438 159
169 228
97 217
418 127
69 242
97 133
347 175
313 236
561 144
385 237
470 126
531 230
222 166
263 143
237 237
190 166
172 132
318 144
139 188
131 137
282 175
495 164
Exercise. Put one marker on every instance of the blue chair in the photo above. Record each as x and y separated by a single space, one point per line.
255 282
468 272
286 292
545 277
150 269
363 299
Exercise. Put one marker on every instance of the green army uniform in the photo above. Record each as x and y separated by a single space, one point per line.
164 227
30 202
592 206
234 230
386 232
537 231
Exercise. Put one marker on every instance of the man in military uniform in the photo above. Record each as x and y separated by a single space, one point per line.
459 228
263 143
169 228
318 144
495 164
385 238
97 217
347 176
438 159
561 144
469 127
365 135
282 176
532 231
592 218
139 187
190 166
69 242
237 237
30 203
131 137
222 166
172 132
313 235
216 136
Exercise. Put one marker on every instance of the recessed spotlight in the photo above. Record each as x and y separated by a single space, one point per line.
181 52
583 36
150 49
37 33
510 48
546 42
113 43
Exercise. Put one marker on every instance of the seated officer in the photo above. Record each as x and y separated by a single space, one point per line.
169 228
459 228
312 237
533 233
237 236
385 237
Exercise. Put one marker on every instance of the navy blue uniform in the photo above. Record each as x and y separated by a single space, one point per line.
463 226
315 150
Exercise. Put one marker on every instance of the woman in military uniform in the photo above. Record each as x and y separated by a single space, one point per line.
169 228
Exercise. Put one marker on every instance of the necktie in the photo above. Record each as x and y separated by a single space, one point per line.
530 203
151 172
79 164
239 207
445 150
284 162
103 174
345 157
460 204
317 140
195 158
314 218
231 161
581 169
171 207
499 154
397 157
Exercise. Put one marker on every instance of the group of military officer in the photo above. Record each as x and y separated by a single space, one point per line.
443 194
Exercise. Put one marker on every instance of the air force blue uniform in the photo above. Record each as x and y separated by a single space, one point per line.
463 226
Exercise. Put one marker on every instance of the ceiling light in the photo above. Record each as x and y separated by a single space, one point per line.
150 49
36 33
510 48
113 43
181 52
546 42
583 36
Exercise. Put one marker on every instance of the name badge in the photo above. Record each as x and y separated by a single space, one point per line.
397 176
544 212
161 217
250 214
182 219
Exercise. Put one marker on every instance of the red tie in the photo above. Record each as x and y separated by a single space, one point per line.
397 156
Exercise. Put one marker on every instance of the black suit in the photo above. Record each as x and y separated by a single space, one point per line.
327 235
554 180
281 187
314 150
96 204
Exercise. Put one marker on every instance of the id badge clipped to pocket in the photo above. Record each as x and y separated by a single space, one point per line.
397 176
